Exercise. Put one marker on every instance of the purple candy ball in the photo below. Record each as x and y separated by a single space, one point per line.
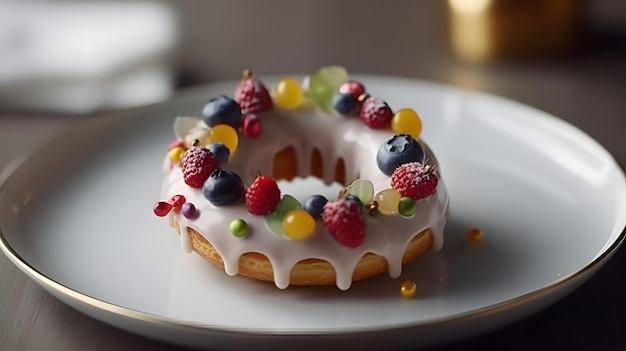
188 210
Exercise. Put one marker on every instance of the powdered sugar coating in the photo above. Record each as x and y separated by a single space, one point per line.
376 113
343 219
414 180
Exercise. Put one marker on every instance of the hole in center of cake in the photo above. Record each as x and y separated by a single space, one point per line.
286 166
302 188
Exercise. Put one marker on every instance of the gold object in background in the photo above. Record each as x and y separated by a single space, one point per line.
484 30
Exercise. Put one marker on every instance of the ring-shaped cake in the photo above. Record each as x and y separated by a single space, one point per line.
231 211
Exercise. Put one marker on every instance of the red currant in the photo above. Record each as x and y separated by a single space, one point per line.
352 87
177 200
162 208
252 126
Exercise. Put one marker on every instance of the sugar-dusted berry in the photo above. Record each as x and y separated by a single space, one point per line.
375 113
345 222
414 180
262 196
252 95
197 164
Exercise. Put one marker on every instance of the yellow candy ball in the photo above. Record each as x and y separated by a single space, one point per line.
176 154
408 289
407 121
298 224
288 94
388 201
225 134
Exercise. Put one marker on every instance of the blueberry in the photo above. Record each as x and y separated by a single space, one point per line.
222 110
398 150
355 199
220 151
314 205
223 187
344 103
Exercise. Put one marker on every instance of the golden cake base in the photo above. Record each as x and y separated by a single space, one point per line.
309 272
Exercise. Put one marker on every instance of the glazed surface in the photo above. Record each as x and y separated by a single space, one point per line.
335 138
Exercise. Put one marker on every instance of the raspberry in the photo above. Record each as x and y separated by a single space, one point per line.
375 113
344 222
414 181
263 196
252 96
198 163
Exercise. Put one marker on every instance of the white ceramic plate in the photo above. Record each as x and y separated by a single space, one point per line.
76 216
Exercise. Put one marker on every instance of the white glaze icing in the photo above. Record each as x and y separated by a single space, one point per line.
335 137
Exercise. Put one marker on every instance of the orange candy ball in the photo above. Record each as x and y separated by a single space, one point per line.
298 224
225 134
407 121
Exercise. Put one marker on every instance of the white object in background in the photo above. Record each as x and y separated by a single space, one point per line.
67 56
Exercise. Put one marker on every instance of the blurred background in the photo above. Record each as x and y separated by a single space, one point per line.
80 56
61 60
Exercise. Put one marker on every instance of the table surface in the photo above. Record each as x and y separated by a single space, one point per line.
587 92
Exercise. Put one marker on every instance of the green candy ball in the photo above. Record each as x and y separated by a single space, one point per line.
406 207
239 228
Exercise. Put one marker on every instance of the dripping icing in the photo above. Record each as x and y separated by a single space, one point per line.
334 138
